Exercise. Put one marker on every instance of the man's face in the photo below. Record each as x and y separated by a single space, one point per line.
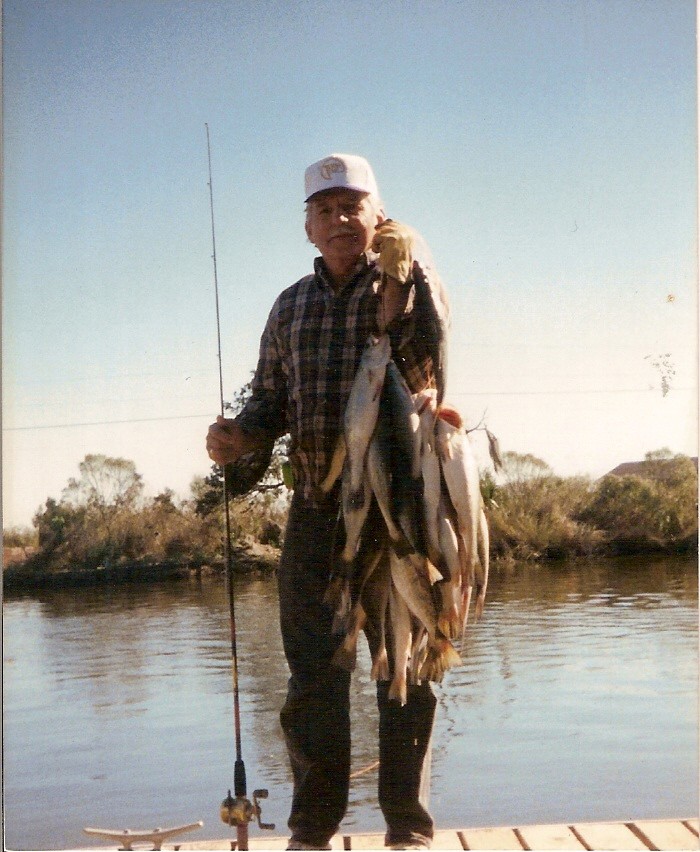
341 224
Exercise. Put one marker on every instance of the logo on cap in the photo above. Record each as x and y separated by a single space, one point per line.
332 166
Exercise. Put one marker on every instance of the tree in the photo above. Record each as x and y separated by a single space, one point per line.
105 483
654 507
107 493
524 467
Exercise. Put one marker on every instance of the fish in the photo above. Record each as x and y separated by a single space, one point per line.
359 423
412 580
431 312
345 656
495 451
369 557
431 476
482 575
401 630
380 479
404 419
354 514
450 617
375 601
361 413
461 476
360 417
398 412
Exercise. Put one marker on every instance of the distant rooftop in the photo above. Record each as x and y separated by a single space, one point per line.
638 468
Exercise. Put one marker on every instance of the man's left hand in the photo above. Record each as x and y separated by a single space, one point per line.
394 244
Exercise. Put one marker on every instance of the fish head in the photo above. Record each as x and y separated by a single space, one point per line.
377 352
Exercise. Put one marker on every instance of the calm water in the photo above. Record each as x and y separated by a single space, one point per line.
577 700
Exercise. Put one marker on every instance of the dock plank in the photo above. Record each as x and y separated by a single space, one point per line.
668 834
447 839
261 841
365 841
490 838
610 836
549 837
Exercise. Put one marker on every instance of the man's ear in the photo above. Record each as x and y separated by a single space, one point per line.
308 232
381 216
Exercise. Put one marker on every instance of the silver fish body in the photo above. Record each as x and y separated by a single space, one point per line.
461 475
361 412
401 631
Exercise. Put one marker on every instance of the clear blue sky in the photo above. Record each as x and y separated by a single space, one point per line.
545 149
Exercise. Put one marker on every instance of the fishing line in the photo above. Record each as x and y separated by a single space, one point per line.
236 811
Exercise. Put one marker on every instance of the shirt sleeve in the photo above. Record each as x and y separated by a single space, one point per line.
265 412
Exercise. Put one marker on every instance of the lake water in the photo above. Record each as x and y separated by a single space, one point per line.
576 701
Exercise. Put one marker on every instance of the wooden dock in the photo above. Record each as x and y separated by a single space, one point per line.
641 834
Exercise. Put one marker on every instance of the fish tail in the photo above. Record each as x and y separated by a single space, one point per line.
345 656
335 469
433 573
449 619
380 665
441 656
398 688
449 623
449 654
432 668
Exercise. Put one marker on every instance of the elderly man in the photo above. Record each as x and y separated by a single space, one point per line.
309 353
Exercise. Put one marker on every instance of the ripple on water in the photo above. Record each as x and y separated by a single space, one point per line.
586 673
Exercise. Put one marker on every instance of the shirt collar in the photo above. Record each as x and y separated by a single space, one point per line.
366 263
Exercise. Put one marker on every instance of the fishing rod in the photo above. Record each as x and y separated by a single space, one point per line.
235 810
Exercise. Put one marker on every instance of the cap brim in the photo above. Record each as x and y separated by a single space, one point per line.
361 190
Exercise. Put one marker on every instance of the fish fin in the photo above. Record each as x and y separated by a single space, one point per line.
335 469
450 415
449 621
431 668
434 575
380 666
449 654
345 656
442 655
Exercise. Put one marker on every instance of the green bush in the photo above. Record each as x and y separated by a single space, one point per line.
654 509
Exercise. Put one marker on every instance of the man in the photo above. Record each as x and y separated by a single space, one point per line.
309 353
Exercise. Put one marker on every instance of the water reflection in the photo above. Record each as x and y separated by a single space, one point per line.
576 700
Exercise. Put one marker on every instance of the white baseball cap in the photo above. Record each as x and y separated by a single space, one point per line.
340 171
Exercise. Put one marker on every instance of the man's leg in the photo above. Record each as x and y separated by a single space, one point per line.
404 768
316 715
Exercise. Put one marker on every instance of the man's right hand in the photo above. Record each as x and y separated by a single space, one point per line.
227 442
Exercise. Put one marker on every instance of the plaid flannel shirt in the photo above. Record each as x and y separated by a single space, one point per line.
309 353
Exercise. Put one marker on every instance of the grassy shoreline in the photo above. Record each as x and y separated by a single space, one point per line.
254 557
31 574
